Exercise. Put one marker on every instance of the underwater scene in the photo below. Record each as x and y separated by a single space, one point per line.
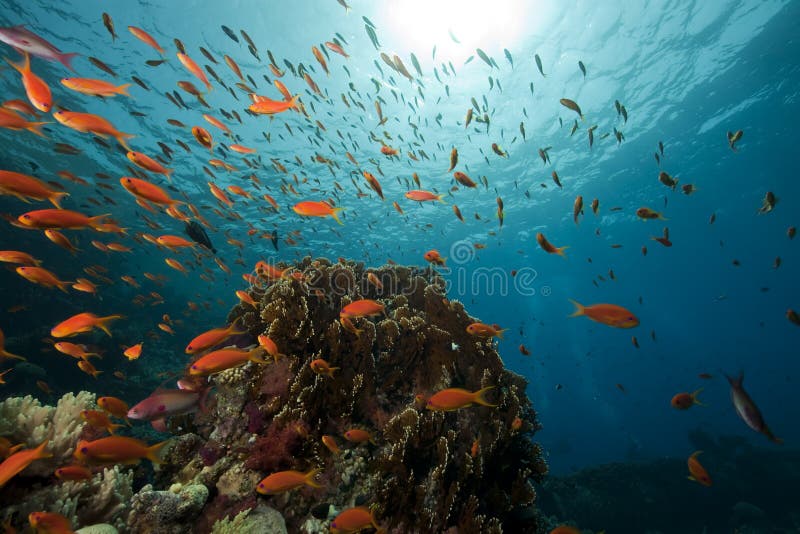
405 266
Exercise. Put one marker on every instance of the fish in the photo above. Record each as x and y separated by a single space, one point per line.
317 209
83 322
684 401
321 367
696 471
747 410
211 338
73 472
456 398
284 481
223 359
582 67
453 159
539 65
146 38
608 314
433 256
167 403
423 196
230 33
355 519
733 138
49 523
117 449
768 204
21 459
28 42
93 87
37 90
90 123
571 104
647 213
362 308
26 187
485 330
108 22
548 247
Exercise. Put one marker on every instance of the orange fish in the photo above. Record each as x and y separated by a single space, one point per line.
26 187
192 67
83 322
73 473
53 218
373 183
609 314
565 529
524 350
353 520
61 240
117 450
348 325
219 194
696 471
373 279
174 242
145 190
549 247
20 258
234 67
37 90
12 121
333 47
89 123
42 277
211 338
242 149
175 264
76 351
311 208
116 407
330 443
287 480
145 38
88 368
265 106
270 347
99 419
647 213
220 360
464 180
133 353
684 401
423 196
216 122
321 367
321 59
84 285
203 137
485 330
356 435
50 523
362 308
149 164
433 256
88 86
457 398
20 460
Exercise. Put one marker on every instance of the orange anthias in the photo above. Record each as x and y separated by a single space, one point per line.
354 520
457 398
221 360
684 401
362 308
37 90
264 106
697 472
608 314
287 480
54 218
149 164
9 119
89 123
50 523
433 256
212 337
83 322
26 187
485 330
146 191
270 346
117 450
317 209
20 460
93 87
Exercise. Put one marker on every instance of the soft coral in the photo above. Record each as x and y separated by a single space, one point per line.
276 449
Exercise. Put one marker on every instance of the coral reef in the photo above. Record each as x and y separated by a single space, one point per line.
166 512
252 521
427 471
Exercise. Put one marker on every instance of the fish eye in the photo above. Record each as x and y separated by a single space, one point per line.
84 450
161 408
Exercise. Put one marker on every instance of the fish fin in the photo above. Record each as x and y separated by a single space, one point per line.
55 198
19 68
5 354
114 427
479 399
309 478
560 251
579 309
97 220
695 454
332 369
66 59
62 285
121 137
153 453
256 355
123 89
694 397
736 383
102 323
335 215
500 332
33 127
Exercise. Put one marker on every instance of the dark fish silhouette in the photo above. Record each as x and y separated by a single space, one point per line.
274 239
199 235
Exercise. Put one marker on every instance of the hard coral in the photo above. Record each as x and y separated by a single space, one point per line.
428 471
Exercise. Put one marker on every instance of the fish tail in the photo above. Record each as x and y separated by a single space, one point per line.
62 285
479 399
331 370
335 215
55 198
153 453
772 437
33 127
40 453
121 137
440 199
66 59
123 89
256 356
736 383
102 323
694 395
579 309
96 221
5 354
560 251
695 454
500 333
309 478
113 427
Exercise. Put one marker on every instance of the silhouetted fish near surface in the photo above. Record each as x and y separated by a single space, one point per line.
199 235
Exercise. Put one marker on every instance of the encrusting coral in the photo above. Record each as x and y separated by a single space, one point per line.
469 469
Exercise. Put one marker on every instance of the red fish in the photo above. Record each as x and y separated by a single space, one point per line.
609 314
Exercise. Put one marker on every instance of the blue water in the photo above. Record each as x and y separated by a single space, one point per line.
687 72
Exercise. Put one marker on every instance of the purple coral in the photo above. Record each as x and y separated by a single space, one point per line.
276 449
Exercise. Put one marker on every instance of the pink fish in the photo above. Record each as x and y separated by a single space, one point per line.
167 402
26 41
747 409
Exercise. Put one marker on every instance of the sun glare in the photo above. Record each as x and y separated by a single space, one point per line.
422 24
